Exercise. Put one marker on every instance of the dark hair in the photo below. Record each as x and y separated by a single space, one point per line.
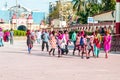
65 31
53 32
96 32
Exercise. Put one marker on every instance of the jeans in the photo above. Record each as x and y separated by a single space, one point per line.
43 45
1 42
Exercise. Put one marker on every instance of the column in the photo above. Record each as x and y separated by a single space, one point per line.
117 16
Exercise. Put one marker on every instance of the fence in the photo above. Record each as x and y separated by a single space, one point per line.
115 45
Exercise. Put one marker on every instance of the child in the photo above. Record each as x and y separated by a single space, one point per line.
53 43
77 44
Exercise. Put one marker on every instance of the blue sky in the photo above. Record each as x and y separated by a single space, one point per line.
42 5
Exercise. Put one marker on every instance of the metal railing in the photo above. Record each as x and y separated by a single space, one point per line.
115 44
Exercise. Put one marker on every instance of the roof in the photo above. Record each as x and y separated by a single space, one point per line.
106 16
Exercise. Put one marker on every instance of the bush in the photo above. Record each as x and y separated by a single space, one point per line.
19 33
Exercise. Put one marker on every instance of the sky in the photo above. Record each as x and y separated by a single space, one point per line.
41 5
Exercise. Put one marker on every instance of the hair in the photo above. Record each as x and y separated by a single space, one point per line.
28 32
65 31
96 32
53 32
107 32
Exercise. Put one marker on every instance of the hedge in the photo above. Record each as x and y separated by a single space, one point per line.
19 33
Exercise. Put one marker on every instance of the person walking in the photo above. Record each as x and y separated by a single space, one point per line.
1 37
11 36
30 40
97 44
77 44
91 44
38 35
53 43
45 39
107 43
73 38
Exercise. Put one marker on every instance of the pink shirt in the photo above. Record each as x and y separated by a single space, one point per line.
1 34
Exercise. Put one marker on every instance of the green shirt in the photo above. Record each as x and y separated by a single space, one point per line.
73 37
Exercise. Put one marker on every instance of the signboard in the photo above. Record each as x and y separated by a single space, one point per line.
90 20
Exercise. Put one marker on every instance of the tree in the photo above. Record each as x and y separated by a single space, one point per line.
55 14
108 5
79 5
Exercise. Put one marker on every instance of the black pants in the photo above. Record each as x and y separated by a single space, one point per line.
43 45
53 49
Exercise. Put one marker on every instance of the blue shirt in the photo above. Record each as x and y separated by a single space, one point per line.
46 37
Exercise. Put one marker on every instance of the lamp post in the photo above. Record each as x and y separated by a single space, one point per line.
117 16
16 15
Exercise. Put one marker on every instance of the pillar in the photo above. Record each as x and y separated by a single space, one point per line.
117 16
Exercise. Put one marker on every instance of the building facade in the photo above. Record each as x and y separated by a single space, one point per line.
18 17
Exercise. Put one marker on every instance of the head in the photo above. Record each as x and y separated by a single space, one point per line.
28 32
93 33
96 32
82 33
53 32
107 32
65 31
0 29
46 31
11 29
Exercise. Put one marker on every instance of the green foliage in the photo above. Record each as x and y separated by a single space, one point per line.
55 14
78 5
108 5
19 33
89 8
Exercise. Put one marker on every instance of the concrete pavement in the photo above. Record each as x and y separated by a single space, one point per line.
17 64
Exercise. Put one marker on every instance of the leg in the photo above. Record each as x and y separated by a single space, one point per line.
29 50
82 52
43 44
50 51
53 52
106 54
74 50
98 50
47 46
59 50
66 47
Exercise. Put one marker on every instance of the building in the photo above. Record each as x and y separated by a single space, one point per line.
18 17
108 16
65 11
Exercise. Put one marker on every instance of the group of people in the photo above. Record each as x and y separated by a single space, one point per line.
60 40
6 36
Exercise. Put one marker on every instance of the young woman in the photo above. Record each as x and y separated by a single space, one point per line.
97 44
53 43
1 37
91 44
77 44
84 47
107 43
30 40
61 41
11 36
66 34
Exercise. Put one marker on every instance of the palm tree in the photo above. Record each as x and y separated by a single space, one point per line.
79 5
93 1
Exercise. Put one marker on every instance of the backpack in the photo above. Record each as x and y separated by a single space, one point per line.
81 41
43 36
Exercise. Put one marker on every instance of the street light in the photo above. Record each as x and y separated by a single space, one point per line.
16 15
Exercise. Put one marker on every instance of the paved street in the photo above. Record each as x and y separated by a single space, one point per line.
17 64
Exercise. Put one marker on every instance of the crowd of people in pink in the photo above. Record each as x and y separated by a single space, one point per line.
60 40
